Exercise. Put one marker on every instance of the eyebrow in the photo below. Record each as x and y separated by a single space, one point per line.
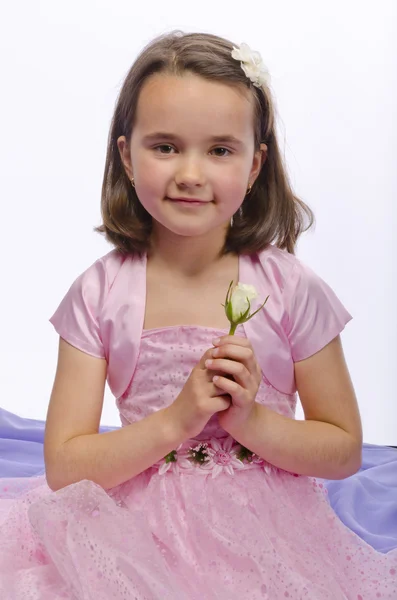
171 136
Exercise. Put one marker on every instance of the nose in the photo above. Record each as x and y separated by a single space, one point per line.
190 173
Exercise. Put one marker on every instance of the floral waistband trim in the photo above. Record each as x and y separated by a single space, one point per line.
213 457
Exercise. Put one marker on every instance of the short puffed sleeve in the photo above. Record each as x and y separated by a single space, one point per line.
315 315
77 318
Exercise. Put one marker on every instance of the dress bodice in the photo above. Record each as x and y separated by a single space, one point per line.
166 358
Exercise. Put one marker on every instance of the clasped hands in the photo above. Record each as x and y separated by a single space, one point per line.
234 355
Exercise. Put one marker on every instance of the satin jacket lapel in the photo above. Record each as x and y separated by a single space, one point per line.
125 323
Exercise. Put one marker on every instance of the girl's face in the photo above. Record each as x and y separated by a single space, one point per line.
193 139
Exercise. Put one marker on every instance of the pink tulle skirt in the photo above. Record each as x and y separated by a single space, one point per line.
180 536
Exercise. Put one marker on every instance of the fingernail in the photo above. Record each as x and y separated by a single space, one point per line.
208 362
216 341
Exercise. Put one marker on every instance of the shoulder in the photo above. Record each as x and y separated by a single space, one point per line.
92 286
107 266
296 284
101 274
283 267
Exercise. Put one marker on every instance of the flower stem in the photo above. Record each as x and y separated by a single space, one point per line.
233 327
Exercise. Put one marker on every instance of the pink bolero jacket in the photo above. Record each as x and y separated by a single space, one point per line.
103 314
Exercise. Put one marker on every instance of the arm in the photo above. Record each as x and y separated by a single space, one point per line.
328 442
73 448
112 457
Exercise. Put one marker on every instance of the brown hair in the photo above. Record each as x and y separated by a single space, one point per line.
271 213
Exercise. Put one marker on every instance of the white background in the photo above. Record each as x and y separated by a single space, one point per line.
334 71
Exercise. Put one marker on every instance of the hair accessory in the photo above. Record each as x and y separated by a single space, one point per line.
252 65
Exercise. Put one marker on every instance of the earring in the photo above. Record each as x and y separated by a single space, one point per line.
132 182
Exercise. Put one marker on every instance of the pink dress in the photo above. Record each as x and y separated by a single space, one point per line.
212 521
219 529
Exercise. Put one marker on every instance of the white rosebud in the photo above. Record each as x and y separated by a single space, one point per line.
241 296
238 304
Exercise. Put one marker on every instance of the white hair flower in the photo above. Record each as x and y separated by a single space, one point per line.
252 65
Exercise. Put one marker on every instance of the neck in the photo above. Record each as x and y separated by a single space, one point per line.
187 256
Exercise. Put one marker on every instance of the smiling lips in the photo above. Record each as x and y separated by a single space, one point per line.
188 201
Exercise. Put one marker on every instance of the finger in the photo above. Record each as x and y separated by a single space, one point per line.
231 339
238 370
234 352
222 401
222 395
241 351
239 354
231 387
207 354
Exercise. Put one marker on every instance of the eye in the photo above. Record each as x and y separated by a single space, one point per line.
225 149
163 146
171 148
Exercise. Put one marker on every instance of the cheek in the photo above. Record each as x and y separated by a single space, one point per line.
152 178
231 188
231 176
231 183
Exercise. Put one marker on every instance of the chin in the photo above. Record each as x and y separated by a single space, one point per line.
184 229
189 232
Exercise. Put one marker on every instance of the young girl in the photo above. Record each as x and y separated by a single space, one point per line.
209 490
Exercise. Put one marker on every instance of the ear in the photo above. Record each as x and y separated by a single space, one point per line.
258 162
125 155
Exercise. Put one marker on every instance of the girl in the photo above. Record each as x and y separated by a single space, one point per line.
208 491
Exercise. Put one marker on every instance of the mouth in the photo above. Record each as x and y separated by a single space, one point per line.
185 202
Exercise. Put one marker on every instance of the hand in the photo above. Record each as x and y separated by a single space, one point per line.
234 355
199 399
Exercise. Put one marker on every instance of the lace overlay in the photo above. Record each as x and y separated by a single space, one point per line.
230 533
